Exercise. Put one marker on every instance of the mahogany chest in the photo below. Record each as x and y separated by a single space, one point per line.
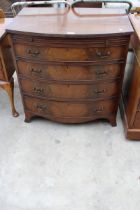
70 69
130 100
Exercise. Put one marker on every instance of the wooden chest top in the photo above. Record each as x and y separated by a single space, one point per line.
57 23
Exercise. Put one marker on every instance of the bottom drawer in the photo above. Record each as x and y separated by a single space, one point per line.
47 108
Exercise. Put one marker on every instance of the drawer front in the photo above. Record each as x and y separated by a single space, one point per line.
64 109
69 72
114 41
2 77
68 91
69 54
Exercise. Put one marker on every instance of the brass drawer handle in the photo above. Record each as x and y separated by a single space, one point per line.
101 73
99 91
32 52
99 109
38 91
103 54
37 71
41 107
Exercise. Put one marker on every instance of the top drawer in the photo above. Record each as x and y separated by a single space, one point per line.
106 41
70 53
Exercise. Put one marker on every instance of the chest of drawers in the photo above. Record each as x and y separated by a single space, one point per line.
130 100
68 77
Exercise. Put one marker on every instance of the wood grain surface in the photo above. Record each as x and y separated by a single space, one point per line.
65 62
50 22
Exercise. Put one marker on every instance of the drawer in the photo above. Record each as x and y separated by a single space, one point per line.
69 54
69 91
70 42
65 109
71 72
2 77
